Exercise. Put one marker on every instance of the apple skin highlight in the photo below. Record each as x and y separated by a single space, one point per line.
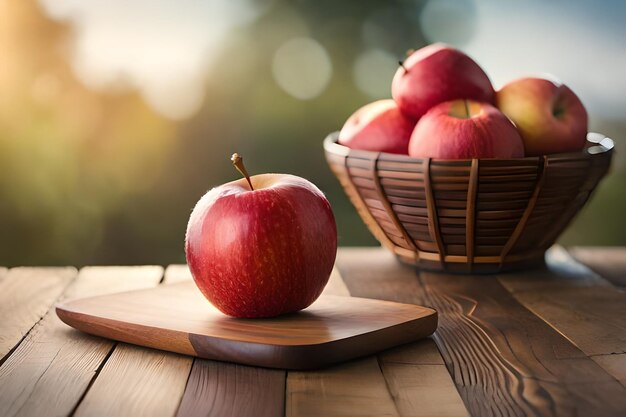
451 130
265 252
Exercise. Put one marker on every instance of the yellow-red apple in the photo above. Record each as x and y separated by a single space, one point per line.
550 117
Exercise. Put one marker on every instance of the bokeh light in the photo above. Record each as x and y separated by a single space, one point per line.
372 71
115 118
302 68
449 21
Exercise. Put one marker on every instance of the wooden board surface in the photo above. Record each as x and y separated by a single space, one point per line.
504 359
52 368
356 388
224 389
415 373
177 318
609 262
251 391
55 370
583 306
27 293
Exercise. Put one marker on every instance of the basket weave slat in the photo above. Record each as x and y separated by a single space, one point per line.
433 218
481 215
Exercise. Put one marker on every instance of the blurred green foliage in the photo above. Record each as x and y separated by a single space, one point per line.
99 178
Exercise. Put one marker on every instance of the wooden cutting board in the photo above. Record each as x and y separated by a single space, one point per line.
178 318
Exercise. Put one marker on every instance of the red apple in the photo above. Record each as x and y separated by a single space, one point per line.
380 127
438 73
463 129
550 117
262 246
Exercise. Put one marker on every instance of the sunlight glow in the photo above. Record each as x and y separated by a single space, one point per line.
163 49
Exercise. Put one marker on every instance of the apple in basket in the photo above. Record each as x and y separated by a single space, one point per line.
464 129
438 73
549 116
379 126
261 246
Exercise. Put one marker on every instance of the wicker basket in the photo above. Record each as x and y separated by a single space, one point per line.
470 215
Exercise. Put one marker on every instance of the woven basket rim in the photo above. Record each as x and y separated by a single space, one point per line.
597 144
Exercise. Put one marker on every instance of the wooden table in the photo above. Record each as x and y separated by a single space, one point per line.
542 343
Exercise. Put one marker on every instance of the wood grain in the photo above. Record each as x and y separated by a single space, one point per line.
615 364
26 294
415 373
251 391
214 388
226 389
609 262
137 376
420 383
580 305
137 381
506 360
50 370
503 359
331 330
354 389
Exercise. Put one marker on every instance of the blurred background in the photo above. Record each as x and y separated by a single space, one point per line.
116 117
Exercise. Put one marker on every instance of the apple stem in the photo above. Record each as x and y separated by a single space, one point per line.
401 63
467 108
237 161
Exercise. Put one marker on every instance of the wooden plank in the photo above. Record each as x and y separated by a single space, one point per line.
51 369
415 373
178 318
419 381
615 364
177 273
580 305
26 294
356 388
376 273
251 391
226 389
216 388
504 359
143 381
137 381
588 313
609 262
335 285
